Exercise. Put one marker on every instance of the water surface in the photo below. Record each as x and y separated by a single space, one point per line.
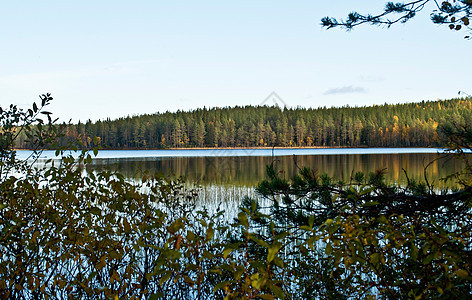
238 152
241 170
247 167
225 176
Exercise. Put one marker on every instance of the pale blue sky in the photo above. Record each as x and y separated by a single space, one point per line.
104 59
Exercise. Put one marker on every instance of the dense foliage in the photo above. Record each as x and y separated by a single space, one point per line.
399 125
68 234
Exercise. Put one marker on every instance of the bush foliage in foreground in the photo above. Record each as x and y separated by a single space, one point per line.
66 234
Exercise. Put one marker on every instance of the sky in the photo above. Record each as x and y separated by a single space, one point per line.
110 59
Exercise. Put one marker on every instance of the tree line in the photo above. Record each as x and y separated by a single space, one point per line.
387 125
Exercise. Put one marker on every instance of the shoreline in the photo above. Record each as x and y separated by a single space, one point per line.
250 148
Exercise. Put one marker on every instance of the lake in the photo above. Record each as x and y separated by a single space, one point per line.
218 152
246 167
225 176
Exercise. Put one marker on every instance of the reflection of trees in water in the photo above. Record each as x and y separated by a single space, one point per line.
248 171
212 198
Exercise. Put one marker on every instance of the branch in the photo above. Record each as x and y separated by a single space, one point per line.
407 11
456 14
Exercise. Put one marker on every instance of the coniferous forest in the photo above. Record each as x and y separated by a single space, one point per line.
388 125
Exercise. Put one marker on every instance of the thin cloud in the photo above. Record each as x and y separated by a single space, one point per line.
345 90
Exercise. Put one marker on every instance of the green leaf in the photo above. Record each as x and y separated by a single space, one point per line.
277 291
281 235
306 228
190 236
272 251
278 262
175 226
311 220
226 267
257 280
220 285
226 252
238 273
375 259
253 206
165 277
210 233
329 249
366 191
242 217
259 241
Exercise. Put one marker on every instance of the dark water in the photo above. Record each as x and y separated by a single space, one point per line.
249 170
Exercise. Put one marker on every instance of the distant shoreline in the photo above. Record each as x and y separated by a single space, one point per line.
252 148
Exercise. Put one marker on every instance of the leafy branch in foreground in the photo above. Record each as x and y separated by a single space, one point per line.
372 238
39 134
455 14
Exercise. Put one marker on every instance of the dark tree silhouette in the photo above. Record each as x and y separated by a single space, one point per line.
455 14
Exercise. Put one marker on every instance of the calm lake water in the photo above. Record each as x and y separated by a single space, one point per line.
136 154
246 167
225 177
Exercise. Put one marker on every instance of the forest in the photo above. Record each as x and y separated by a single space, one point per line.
387 125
